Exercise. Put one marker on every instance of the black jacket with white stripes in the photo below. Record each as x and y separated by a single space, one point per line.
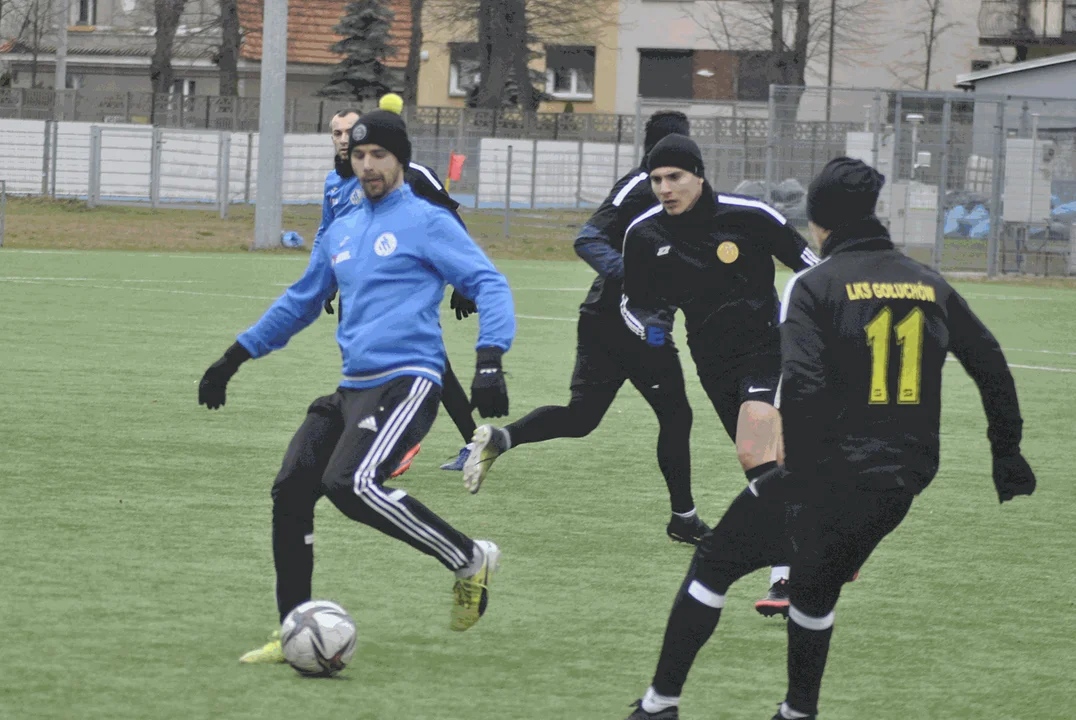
602 237
864 336
715 263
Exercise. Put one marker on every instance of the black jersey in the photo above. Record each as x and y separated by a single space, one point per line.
601 239
864 336
425 184
715 263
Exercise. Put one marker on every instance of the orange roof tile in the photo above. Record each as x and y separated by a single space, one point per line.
310 30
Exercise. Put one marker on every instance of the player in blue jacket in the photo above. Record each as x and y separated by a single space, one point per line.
390 259
343 193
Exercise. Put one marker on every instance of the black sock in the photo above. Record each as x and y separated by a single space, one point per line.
293 557
760 470
555 421
674 459
456 403
691 624
807 652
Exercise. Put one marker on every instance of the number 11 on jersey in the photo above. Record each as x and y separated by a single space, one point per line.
909 336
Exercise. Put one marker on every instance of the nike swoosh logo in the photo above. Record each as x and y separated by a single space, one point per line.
754 389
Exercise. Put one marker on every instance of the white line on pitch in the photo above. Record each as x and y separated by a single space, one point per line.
16 278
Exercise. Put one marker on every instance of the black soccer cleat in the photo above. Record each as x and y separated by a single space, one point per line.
779 716
776 600
687 530
672 713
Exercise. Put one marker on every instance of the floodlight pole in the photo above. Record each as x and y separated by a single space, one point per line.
269 200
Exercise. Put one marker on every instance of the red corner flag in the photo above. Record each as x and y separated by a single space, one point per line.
455 166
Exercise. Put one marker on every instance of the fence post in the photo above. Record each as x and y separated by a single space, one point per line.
616 147
127 106
3 209
20 102
250 159
898 111
943 184
996 182
579 178
292 114
93 190
638 141
508 193
155 167
45 157
876 127
55 153
534 171
224 162
771 141
321 114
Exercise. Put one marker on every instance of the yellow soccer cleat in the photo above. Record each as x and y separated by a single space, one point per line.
471 594
270 652
486 446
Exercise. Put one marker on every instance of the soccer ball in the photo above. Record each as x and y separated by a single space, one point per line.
318 638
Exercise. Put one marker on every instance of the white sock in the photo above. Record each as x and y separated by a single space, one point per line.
476 563
790 714
507 437
652 702
688 515
778 572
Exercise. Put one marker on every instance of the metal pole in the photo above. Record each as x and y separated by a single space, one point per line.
943 183
876 128
62 17
46 158
269 208
508 192
771 141
224 171
995 193
829 59
250 159
534 171
55 158
93 191
3 209
616 147
579 178
898 108
155 167
1034 168
637 153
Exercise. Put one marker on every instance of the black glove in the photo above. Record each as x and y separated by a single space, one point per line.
211 391
489 394
461 305
1012 476
329 303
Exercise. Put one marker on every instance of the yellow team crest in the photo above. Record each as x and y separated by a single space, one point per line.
727 252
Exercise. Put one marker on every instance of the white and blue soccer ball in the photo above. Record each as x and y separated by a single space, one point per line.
318 638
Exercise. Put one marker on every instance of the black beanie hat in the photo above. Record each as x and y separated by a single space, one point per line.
846 190
676 151
662 123
383 128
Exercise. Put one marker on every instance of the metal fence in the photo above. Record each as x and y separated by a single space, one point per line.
974 182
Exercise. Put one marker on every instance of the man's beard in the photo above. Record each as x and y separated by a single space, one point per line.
343 166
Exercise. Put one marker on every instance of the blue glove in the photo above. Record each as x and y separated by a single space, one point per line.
656 331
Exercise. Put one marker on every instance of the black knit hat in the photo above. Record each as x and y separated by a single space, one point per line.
846 190
662 123
383 128
676 151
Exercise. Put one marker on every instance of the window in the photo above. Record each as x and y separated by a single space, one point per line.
464 69
569 72
87 12
665 73
977 65
752 81
183 88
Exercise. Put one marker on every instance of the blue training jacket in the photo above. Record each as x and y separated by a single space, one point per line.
341 194
390 261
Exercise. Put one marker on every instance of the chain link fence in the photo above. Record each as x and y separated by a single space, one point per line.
974 183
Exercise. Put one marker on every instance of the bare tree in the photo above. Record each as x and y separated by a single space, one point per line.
506 30
410 94
792 31
35 18
228 55
167 14
928 26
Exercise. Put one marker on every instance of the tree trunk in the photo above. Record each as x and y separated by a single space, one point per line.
167 14
414 51
496 53
229 48
517 30
930 42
